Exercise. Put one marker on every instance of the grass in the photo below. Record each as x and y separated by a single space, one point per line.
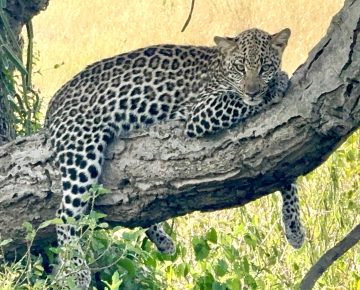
330 209
248 248
96 29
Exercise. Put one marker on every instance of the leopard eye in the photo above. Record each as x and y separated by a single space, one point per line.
239 67
264 68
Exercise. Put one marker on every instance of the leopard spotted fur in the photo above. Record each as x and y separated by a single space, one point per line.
209 88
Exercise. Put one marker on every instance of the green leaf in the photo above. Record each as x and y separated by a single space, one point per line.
211 236
38 270
14 59
218 286
28 227
186 270
132 235
246 266
250 240
55 221
250 281
117 228
86 196
96 215
103 225
179 270
201 248
71 221
205 282
260 284
350 156
231 253
129 266
221 268
98 189
150 261
115 281
296 267
233 284
57 65
39 284
5 242
98 244
54 250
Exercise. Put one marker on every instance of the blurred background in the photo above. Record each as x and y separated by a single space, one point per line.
77 33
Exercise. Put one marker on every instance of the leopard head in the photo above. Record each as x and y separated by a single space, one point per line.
251 61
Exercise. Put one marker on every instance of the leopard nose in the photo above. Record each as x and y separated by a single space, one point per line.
252 94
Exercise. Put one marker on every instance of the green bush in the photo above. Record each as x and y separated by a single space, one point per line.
15 78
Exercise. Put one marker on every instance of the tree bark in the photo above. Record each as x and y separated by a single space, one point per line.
157 173
7 130
19 12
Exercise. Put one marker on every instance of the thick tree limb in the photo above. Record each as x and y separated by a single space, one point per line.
329 258
157 173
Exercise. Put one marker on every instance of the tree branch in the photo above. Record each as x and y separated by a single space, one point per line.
189 16
329 258
156 174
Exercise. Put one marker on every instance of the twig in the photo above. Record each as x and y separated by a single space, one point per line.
189 17
330 257
29 53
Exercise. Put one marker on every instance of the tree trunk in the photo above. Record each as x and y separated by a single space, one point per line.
19 13
157 173
7 132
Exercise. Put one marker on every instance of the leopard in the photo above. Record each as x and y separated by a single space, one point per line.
208 88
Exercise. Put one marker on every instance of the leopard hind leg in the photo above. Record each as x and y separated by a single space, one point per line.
80 167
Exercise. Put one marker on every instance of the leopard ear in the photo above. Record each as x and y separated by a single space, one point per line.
225 44
280 40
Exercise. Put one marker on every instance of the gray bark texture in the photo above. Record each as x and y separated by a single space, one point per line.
19 12
7 131
22 11
157 173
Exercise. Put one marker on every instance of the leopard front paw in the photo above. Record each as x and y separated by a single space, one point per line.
283 82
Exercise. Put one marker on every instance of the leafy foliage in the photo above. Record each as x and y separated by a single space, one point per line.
15 78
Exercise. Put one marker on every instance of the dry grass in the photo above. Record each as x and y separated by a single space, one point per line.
81 32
